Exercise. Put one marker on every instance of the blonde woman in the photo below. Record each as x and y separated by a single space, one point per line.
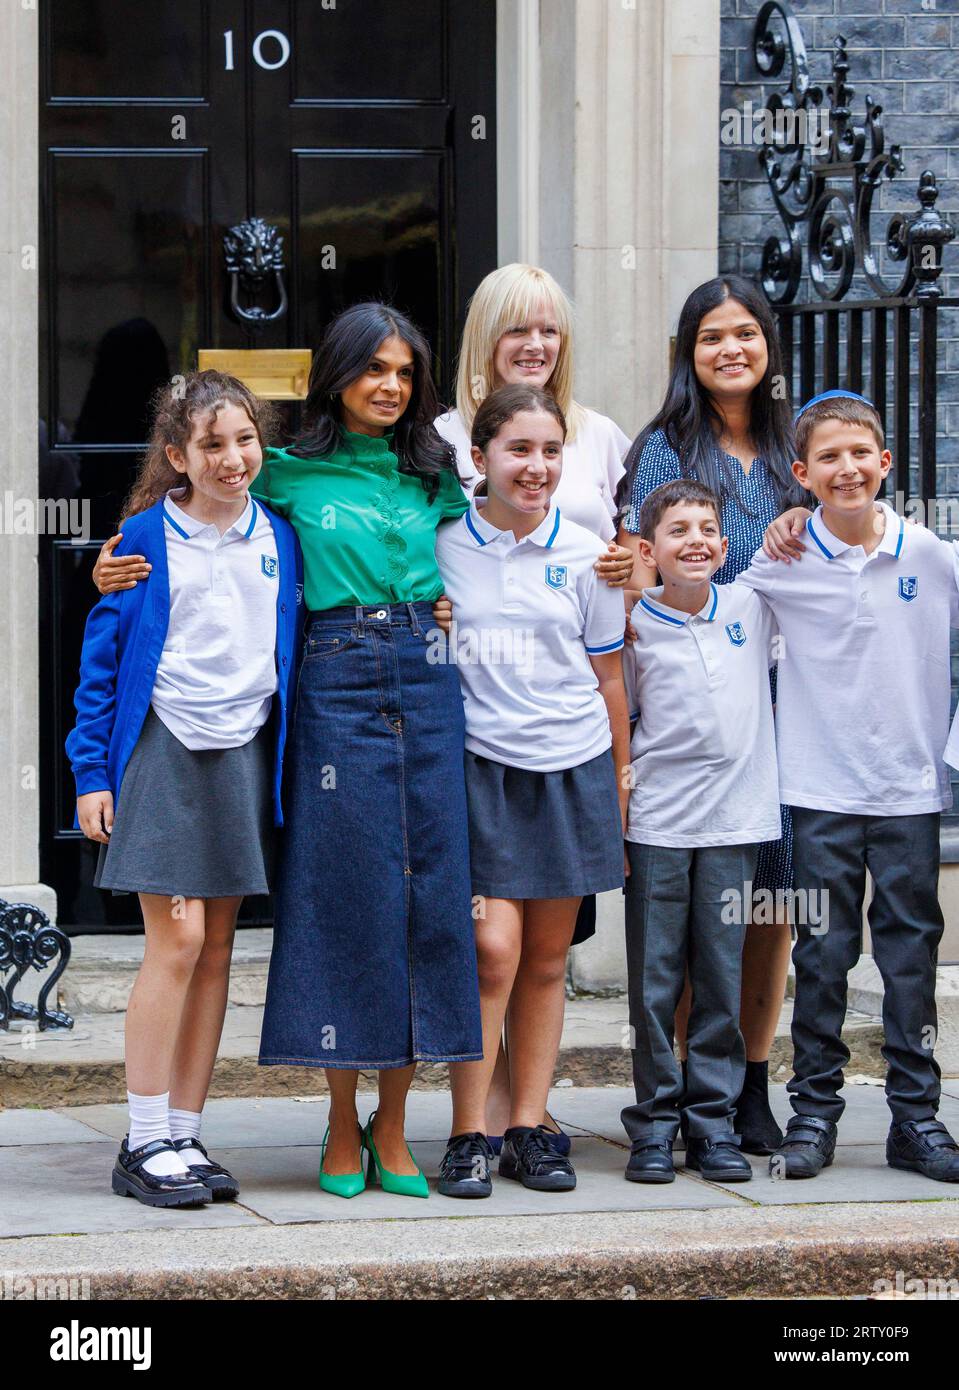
519 330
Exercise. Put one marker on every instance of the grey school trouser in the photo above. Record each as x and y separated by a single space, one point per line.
684 910
831 853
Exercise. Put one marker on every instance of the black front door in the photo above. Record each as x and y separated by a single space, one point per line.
363 129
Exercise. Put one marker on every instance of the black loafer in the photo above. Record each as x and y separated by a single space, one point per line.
465 1169
130 1179
924 1146
222 1184
530 1157
651 1160
809 1146
717 1159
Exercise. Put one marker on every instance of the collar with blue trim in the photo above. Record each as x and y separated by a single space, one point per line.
483 533
187 526
830 546
651 604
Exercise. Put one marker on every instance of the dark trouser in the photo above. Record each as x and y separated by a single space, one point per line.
677 918
831 854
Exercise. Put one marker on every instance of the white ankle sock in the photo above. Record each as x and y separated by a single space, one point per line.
185 1124
149 1120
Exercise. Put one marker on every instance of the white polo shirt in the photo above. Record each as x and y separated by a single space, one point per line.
862 701
592 468
703 749
217 672
527 615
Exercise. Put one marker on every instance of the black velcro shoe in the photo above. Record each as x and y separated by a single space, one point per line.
651 1160
465 1170
131 1179
809 1146
924 1146
529 1156
717 1158
222 1184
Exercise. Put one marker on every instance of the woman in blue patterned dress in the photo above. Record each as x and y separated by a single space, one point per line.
726 422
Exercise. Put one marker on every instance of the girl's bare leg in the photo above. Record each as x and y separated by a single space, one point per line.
175 932
205 1007
537 1005
499 936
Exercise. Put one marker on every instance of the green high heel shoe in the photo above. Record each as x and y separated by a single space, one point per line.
403 1185
342 1184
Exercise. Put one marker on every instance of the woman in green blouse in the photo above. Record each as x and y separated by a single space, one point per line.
373 963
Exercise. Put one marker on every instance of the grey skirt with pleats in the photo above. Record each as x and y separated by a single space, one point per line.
543 834
192 823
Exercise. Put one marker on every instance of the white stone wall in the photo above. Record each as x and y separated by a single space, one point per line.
19 237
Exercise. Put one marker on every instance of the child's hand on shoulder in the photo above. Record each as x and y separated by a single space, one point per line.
111 573
615 566
781 541
95 814
443 613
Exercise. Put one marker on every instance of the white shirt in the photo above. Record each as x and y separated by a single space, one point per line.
527 615
217 672
862 701
703 750
592 468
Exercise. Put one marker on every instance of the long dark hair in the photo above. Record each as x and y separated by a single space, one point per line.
501 405
690 420
344 354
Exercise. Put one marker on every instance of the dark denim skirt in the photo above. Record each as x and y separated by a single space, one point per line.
374 960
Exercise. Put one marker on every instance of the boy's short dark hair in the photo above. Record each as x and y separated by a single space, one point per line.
670 495
845 408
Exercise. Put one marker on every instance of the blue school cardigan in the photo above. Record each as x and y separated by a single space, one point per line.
122 644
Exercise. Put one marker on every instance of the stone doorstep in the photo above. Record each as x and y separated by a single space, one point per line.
60 1080
826 1249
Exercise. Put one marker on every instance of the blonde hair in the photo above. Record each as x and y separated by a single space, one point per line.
508 298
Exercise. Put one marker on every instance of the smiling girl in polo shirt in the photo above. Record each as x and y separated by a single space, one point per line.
546 729
177 753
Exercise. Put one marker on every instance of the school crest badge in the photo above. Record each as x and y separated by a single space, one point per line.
270 566
556 576
736 634
908 587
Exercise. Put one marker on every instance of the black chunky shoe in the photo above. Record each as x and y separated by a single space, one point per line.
717 1159
130 1179
465 1170
530 1157
755 1123
923 1146
222 1184
808 1147
651 1160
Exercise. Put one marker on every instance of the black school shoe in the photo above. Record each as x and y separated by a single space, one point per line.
529 1156
809 1146
717 1158
651 1160
130 1179
465 1170
222 1184
923 1146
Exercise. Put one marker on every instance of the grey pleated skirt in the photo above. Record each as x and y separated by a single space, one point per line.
543 834
198 824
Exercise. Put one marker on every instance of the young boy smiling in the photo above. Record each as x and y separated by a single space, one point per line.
704 795
861 721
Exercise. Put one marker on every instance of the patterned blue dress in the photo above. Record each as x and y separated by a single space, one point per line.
744 521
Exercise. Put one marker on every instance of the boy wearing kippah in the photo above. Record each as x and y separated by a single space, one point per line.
861 721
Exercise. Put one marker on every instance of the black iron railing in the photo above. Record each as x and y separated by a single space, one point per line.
824 172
